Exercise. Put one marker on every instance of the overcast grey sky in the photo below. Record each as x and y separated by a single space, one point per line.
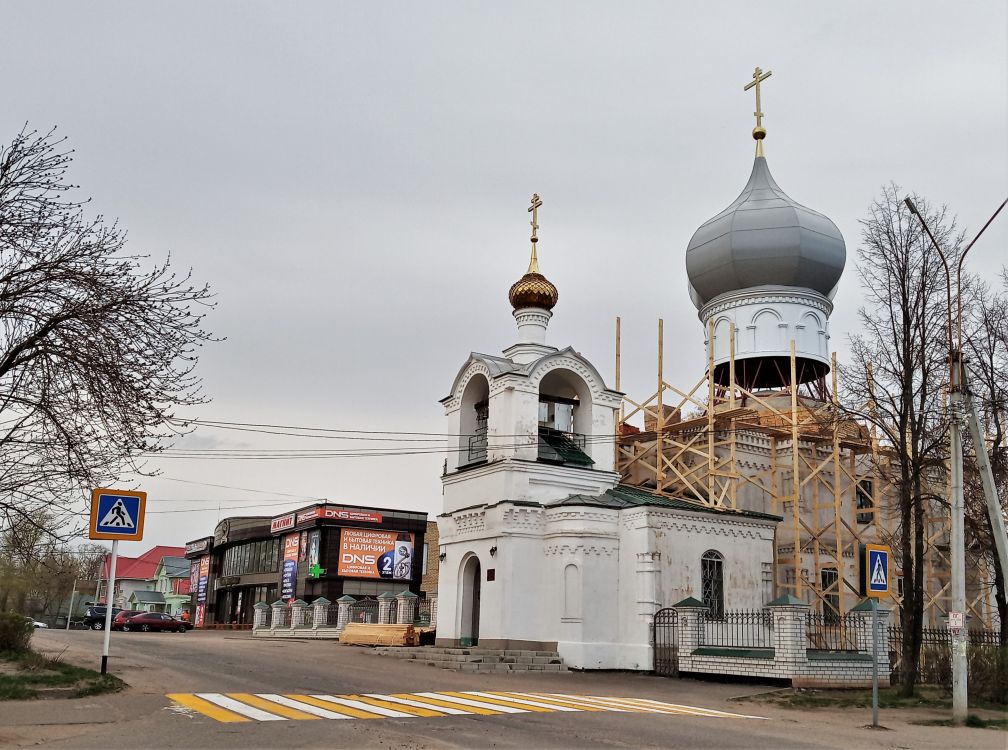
352 179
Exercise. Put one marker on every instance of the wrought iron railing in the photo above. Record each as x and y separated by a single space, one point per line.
422 614
477 448
830 632
364 610
559 446
737 629
281 618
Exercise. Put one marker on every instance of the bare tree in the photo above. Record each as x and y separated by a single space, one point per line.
905 342
97 345
986 348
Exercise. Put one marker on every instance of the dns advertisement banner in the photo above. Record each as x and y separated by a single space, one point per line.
204 575
373 553
288 577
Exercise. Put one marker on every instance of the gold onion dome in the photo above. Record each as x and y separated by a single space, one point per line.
533 289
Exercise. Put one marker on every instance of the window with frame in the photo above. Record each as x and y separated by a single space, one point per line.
865 502
829 579
712 582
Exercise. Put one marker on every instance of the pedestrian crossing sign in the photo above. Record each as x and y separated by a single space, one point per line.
117 514
875 570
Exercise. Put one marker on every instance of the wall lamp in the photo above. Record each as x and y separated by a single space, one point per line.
442 556
493 551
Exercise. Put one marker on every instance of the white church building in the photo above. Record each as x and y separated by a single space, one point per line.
541 547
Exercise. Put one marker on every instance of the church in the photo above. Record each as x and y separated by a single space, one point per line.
565 527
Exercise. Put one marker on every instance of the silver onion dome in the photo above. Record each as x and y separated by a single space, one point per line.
764 238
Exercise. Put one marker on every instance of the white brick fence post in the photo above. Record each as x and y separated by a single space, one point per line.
278 608
320 612
433 609
259 614
789 640
298 613
385 607
865 636
406 601
343 613
688 639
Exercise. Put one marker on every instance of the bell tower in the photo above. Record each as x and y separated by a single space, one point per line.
535 422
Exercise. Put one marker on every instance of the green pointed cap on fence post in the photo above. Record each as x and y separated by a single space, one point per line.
407 594
346 598
689 602
279 603
261 605
321 601
387 595
865 606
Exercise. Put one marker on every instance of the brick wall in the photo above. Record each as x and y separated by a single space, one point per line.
428 583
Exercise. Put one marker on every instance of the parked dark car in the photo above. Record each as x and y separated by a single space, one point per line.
156 621
94 617
122 616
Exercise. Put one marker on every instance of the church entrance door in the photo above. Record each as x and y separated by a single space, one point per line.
469 635
666 643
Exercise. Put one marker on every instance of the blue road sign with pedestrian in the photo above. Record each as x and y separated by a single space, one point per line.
878 571
117 514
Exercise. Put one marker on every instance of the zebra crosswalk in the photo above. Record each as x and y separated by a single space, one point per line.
253 707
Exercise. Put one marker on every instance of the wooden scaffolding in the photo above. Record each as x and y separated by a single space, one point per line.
791 452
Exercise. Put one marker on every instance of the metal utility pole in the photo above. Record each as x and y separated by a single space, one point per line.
958 403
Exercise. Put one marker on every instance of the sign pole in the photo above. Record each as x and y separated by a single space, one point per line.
874 665
70 611
109 594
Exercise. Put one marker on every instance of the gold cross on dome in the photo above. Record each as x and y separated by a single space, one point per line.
534 210
758 77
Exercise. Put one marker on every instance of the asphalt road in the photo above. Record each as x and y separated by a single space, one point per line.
156 664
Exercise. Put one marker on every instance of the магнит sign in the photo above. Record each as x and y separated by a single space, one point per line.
373 553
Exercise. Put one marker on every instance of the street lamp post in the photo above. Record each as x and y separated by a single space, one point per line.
957 503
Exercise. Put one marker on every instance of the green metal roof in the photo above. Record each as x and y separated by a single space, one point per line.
628 496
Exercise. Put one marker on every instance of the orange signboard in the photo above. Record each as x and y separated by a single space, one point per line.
375 553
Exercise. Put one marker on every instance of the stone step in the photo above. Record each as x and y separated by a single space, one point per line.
479 659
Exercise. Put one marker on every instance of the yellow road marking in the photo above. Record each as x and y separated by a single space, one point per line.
484 698
604 703
449 704
337 707
206 707
395 706
548 700
271 707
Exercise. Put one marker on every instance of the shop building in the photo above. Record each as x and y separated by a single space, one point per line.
321 550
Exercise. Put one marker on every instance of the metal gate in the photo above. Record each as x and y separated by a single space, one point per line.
665 636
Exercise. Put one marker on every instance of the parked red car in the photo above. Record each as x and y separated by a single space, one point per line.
155 621
121 617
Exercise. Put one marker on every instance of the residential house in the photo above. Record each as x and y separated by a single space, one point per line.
134 574
171 580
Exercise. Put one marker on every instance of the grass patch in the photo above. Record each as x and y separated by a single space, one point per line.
927 696
971 721
33 675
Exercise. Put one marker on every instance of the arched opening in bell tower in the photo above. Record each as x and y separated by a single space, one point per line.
473 415
565 419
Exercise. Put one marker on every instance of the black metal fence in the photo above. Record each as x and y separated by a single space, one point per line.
665 636
422 614
363 610
737 629
832 633
987 658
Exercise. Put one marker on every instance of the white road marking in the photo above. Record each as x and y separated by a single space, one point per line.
308 708
239 708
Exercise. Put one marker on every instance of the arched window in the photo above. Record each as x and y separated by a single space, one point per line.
712 582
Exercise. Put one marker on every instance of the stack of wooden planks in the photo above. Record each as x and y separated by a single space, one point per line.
364 634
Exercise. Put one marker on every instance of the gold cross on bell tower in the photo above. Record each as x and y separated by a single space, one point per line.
759 132
534 210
